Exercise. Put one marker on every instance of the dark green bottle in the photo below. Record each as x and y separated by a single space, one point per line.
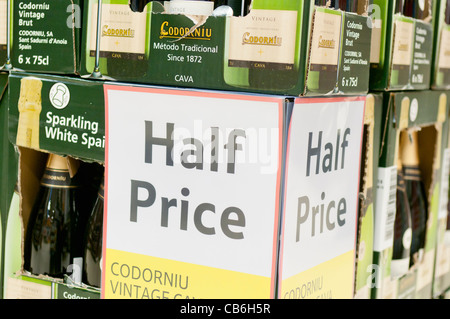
447 12
402 224
240 7
117 39
53 234
138 5
408 8
399 6
334 4
92 274
269 72
418 9
348 5
355 6
415 189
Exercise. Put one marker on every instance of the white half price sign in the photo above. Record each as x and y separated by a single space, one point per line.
321 198
192 193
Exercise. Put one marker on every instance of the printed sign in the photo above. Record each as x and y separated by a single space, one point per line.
191 194
54 113
265 41
321 199
45 35
123 32
422 57
386 206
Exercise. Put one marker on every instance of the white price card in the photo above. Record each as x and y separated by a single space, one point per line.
192 193
321 198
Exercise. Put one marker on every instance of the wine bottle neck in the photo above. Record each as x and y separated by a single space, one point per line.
409 150
55 161
56 173
101 191
399 6
30 94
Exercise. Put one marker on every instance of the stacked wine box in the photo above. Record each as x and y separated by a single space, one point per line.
244 149
406 262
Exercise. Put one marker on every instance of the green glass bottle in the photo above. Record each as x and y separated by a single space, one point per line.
399 4
93 243
402 54
348 5
447 12
443 62
334 4
355 6
52 241
402 228
408 8
274 62
415 189
240 7
138 5
122 40
324 51
418 9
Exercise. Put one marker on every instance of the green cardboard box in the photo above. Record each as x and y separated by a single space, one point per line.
426 268
18 283
351 65
442 264
64 103
8 165
441 65
48 114
368 176
427 111
65 115
25 287
240 53
155 47
402 48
